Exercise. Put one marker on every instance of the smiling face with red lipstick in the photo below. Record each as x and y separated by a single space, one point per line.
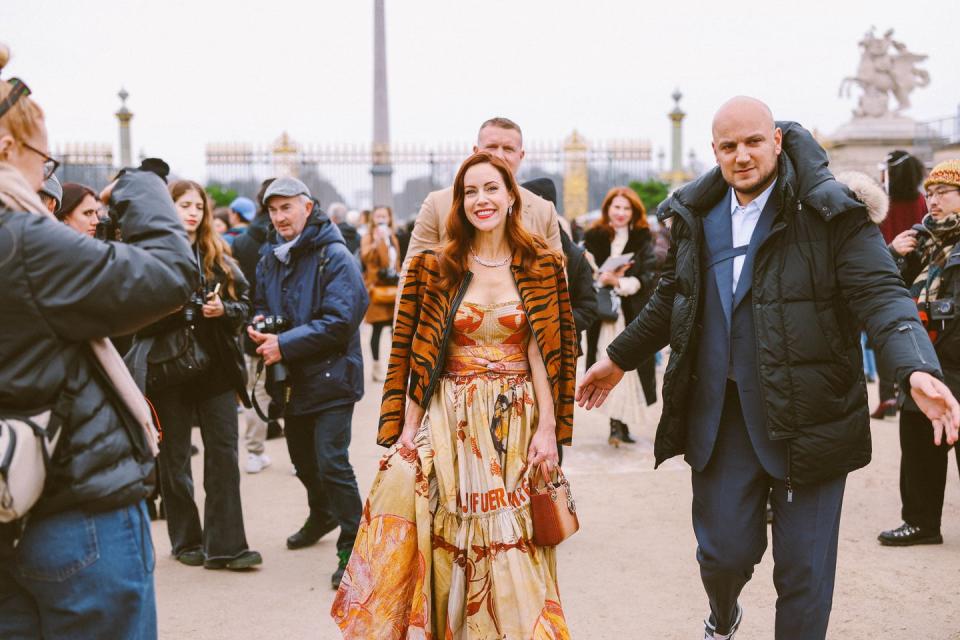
486 199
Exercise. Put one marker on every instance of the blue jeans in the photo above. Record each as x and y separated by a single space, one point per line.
79 575
319 448
869 358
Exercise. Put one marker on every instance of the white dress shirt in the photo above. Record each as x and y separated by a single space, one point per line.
743 221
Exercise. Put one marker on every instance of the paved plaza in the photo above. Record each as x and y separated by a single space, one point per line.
630 573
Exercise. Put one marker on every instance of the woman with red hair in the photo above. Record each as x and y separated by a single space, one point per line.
622 229
479 393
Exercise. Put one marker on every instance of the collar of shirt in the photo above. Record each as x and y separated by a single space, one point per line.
759 202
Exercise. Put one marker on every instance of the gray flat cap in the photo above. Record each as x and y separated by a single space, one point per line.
286 187
53 189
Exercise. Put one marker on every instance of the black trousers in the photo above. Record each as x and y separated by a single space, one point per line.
222 534
923 471
378 328
319 446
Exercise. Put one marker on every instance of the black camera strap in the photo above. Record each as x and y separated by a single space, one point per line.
253 396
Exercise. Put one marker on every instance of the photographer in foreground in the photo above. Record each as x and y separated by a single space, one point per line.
194 373
308 279
929 259
80 563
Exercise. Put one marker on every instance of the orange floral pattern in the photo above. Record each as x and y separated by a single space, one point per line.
444 546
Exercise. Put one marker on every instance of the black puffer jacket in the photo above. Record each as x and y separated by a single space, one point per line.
821 274
58 289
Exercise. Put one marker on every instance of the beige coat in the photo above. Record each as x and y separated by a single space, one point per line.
430 231
375 256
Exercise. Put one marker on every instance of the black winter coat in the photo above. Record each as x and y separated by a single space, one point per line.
583 295
218 337
644 268
59 289
822 273
246 249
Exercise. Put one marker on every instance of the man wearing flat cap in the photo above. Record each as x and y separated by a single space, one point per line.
307 277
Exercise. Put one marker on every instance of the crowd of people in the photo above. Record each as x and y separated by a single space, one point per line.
769 279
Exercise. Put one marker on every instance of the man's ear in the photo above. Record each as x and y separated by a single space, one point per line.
309 204
778 139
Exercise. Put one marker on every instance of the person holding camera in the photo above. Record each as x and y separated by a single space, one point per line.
194 374
310 300
929 258
80 562
380 255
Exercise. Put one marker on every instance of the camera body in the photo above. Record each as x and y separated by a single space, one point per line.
942 310
193 310
273 324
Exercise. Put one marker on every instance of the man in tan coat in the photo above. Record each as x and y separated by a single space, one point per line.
500 137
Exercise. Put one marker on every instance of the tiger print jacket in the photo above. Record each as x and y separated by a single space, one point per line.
425 320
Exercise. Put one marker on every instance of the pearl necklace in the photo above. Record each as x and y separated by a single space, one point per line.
489 263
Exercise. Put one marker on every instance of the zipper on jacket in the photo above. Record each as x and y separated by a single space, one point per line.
789 483
916 345
452 314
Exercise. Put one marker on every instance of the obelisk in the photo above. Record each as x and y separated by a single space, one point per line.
381 169
677 175
124 116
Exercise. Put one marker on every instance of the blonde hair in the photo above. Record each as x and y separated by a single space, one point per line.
24 120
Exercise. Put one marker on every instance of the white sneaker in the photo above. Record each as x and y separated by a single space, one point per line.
257 463
377 375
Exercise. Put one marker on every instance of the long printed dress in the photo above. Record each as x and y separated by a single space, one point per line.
444 549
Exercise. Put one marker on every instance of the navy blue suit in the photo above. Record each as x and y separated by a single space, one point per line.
736 465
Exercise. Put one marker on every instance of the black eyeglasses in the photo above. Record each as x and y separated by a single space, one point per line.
50 165
938 193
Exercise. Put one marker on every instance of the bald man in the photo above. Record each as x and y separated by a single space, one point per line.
773 268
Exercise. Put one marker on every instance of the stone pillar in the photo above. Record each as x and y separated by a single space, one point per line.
382 167
677 175
124 116
576 178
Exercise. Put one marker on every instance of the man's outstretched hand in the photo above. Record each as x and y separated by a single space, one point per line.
597 383
938 404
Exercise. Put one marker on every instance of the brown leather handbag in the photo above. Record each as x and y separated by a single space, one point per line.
552 507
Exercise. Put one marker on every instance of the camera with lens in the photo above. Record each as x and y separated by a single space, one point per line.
193 309
107 229
276 373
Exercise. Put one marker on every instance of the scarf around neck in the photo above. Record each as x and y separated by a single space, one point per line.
17 195
934 250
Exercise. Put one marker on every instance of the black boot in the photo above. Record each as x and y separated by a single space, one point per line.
310 533
274 430
625 434
614 439
343 557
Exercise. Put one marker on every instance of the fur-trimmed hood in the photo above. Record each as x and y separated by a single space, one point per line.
867 191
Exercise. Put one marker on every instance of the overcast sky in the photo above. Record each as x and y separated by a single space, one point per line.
206 71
